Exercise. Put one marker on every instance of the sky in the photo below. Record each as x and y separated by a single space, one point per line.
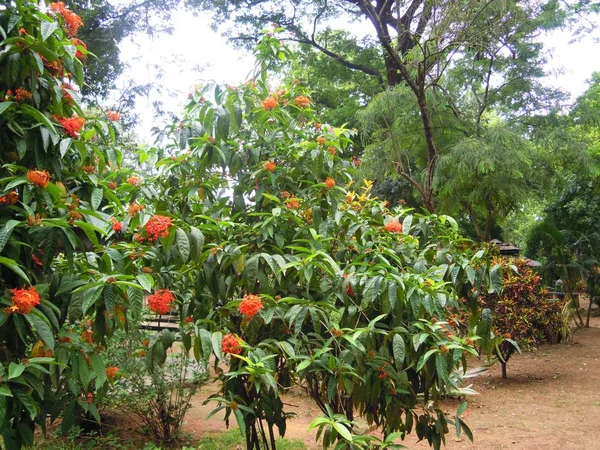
194 53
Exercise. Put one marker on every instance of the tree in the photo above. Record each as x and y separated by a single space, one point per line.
419 41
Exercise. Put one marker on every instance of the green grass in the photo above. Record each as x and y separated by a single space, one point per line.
232 438
228 440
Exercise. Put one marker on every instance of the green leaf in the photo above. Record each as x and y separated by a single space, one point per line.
4 106
12 265
146 281
15 370
217 344
344 432
6 231
398 349
42 327
35 114
183 244
48 28
96 197
90 297
27 402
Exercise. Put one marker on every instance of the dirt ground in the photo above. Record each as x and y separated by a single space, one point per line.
551 401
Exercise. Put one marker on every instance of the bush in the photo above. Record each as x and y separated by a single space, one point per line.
156 395
524 315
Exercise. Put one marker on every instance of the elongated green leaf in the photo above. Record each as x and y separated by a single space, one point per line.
6 231
96 197
42 327
398 349
183 244
4 106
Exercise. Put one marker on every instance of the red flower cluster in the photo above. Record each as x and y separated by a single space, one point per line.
72 125
329 182
269 103
293 203
302 101
72 20
40 178
9 199
231 344
114 116
270 166
135 208
111 372
189 319
22 95
24 300
160 301
133 180
116 225
250 306
393 226
157 227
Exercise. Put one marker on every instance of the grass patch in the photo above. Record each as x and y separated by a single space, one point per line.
232 438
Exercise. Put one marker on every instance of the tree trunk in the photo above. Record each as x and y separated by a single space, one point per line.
503 369
589 310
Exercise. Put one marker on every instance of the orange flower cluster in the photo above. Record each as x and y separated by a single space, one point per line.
133 180
329 182
22 95
269 103
302 101
231 344
349 289
135 208
250 306
113 185
270 166
157 227
72 20
160 302
116 225
78 43
332 150
111 372
40 178
9 199
293 203
285 195
393 226
24 300
72 125
114 116
321 140
88 169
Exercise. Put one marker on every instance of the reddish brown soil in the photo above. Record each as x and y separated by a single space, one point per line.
551 401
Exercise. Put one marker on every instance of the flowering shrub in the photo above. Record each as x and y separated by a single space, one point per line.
523 313
356 314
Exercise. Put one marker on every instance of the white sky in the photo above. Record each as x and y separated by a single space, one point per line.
197 46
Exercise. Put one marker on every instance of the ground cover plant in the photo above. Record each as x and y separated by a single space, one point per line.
254 231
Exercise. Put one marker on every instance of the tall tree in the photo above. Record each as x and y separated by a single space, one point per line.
419 41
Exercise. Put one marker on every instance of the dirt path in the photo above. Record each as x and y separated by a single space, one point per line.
551 401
